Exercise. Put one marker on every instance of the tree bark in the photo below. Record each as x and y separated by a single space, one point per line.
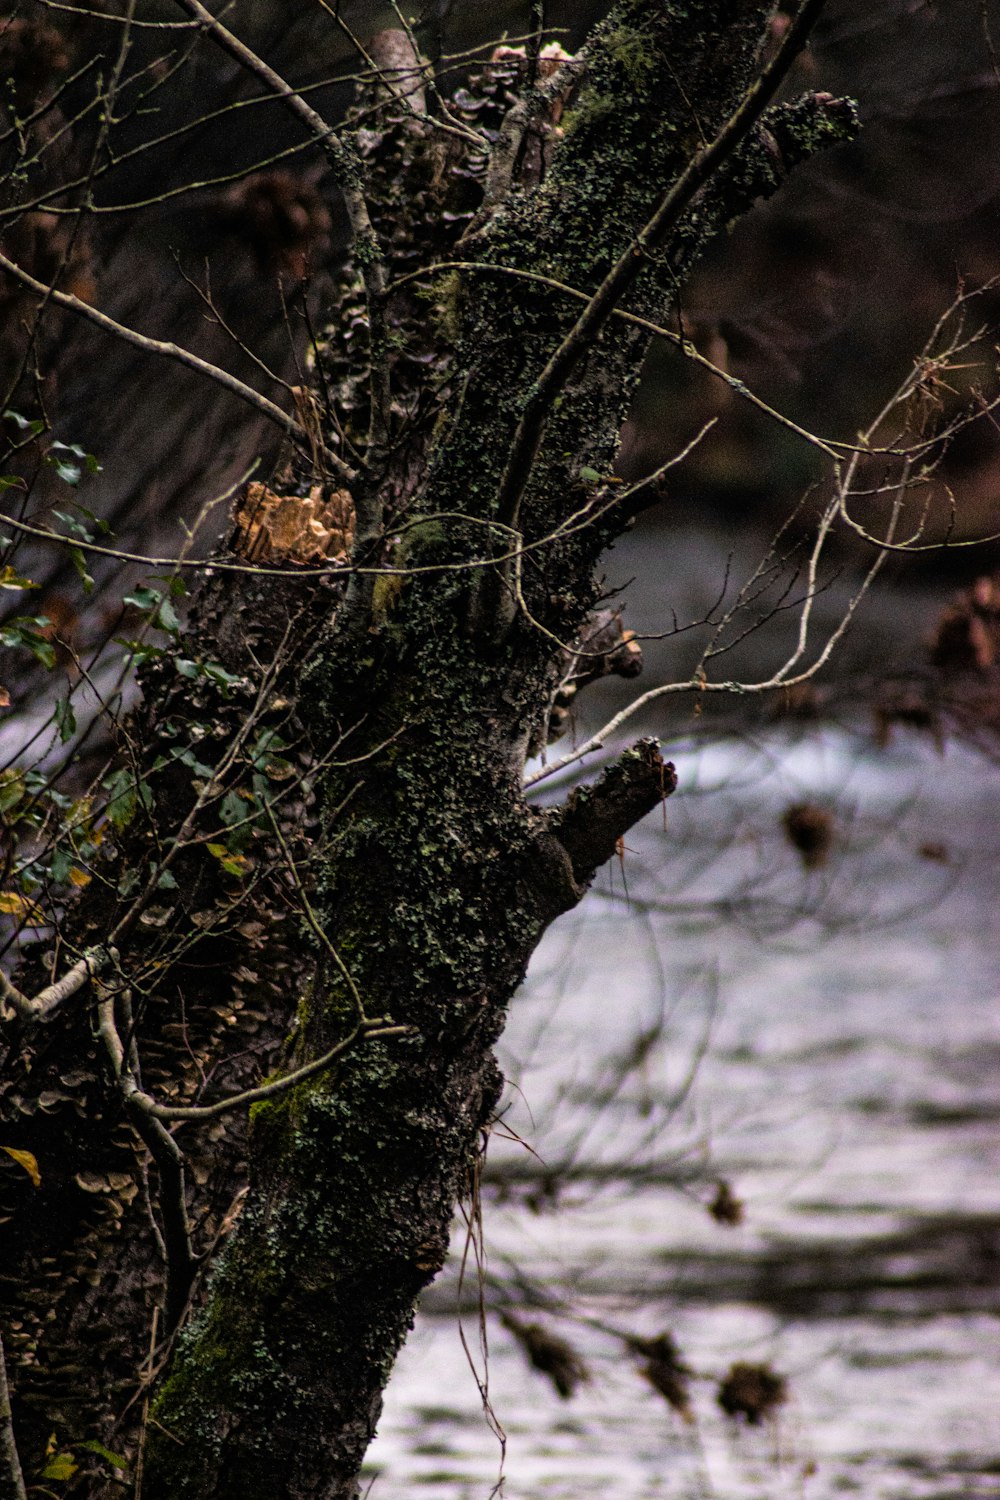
427 878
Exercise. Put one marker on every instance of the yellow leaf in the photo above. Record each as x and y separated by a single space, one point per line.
60 1466
10 578
27 1161
14 904
79 877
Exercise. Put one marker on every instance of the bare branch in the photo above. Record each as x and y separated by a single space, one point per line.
595 817
10 1462
367 1030
180 355
367 251
38 1007
675 202
180 1260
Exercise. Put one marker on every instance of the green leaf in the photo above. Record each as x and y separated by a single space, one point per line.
139 652
162 615
165 881
80 564
187 757
123 798
263 753
233 809
166 618
218 674
12 790
71 461
23 424
74 525
263 791
69 473
589 475
22 631
60 865
114 1459
143 598
233 864
208 671
65 719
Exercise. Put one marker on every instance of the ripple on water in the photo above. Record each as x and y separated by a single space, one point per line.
850 1088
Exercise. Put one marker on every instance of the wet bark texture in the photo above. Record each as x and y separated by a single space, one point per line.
429 877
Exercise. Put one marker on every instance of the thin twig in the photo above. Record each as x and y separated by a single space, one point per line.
10 1463
668 213
169 350
367 252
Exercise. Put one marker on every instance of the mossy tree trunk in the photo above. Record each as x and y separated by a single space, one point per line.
426 878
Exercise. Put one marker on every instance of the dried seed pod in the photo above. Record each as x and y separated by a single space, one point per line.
809 830
549 1354
666 1371
725 1207
752 1392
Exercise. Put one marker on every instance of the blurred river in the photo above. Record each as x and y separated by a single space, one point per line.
826 1041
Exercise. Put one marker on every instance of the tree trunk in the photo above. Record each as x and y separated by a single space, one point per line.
423 878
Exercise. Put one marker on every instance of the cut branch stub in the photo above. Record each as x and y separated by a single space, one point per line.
594 818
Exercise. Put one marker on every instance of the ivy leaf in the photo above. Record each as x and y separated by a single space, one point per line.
218 674
188 758
233 809
139 652
26 1160
60 865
